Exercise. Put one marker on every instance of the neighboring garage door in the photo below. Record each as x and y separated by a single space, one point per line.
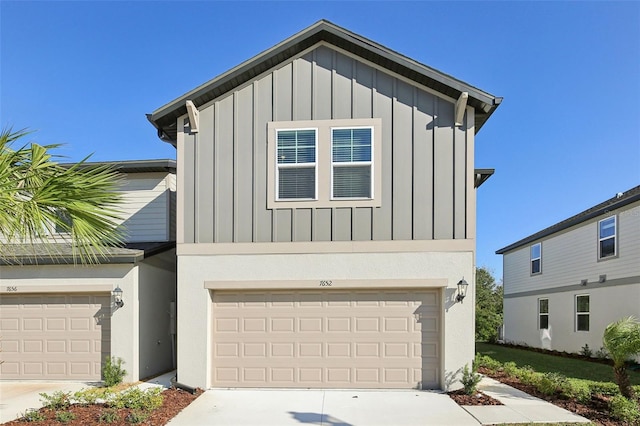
332 339
54 336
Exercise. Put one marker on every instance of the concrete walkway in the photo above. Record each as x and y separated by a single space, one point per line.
518 407
264 407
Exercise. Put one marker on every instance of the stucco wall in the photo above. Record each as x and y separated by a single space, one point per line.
194 303
607 304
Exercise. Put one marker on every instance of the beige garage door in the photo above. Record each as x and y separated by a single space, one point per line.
332 339
54 336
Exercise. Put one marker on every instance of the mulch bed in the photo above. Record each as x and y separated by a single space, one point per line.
478 399
597 410
174 401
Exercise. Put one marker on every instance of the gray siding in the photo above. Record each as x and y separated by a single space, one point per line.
424 157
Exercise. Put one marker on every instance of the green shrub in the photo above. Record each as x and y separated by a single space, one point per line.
32 416
487 362
578 389
137 399
137 416
112 372
470 380
108 416
552 383
91 395
510 368
57 401
65 416
586 351
602 353
624 409
527 375
604 388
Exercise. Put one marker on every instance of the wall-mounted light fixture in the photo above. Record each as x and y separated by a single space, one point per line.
117 297
584 282
462 290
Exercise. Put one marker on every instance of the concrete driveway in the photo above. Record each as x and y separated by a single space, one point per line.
17 397
244 407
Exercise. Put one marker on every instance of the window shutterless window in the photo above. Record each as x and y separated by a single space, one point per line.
543 313
607 237
296 164
536 259
582 313
324 163
351 163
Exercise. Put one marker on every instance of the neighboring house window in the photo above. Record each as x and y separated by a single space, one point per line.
324 163
296 162
536 259
582 313
351 162
607 237
543 313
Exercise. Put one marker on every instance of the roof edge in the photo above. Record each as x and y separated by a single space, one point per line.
632 195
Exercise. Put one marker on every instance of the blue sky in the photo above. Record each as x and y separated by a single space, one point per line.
566 137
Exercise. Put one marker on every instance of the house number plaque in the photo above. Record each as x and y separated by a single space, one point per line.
325 283
12 288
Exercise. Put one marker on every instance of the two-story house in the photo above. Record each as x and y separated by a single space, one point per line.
326 214
58 321
565 284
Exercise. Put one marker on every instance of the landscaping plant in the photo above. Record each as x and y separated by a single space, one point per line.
113 373
470 380
621 339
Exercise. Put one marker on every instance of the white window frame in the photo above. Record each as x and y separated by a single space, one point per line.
614 237
582 313
369 163
540 313
297 165
324 182
532 259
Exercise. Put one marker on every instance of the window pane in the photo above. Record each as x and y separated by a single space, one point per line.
583 322
351 145
352 182
544 321
535 251
296 146
297 183
544 306
582 303
608 227
535 266
608 247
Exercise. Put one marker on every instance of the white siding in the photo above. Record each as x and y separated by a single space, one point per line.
572 255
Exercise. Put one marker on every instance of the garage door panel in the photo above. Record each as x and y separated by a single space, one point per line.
369 339
53 336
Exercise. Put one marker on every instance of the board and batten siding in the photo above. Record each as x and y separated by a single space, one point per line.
425 158
572 255
147 206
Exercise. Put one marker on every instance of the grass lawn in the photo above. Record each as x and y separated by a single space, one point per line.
544 363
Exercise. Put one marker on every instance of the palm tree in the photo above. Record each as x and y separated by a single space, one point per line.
622 340
39 196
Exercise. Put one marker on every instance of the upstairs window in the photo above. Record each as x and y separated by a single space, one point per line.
351 160
607 238
536 259
543 314
324 163
296 162
582 313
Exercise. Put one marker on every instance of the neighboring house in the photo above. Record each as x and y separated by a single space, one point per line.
58 321
565 284
326 213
